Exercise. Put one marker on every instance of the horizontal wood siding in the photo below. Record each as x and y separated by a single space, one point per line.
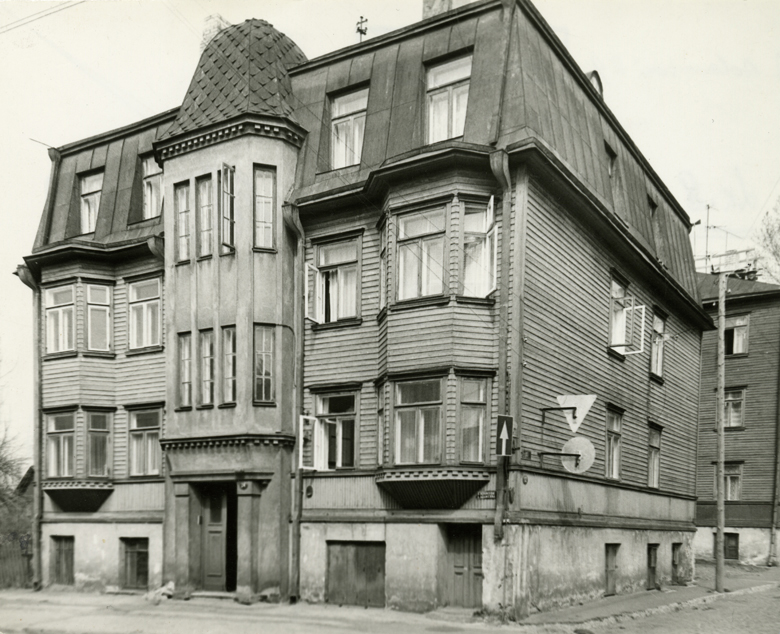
567 291
139 496
358 492
757 372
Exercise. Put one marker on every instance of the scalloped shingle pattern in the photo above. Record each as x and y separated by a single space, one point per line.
243 70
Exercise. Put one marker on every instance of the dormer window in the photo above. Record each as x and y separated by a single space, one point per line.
348 123
90 188
152 188
447 87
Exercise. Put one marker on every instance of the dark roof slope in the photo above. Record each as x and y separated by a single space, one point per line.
243 70
708 286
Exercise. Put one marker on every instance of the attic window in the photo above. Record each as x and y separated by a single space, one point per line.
611 160
90 188
448 95
152 188
348 123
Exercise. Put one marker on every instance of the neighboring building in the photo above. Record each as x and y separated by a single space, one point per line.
381 250
751 423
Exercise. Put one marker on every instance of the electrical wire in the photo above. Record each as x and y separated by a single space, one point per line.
38 16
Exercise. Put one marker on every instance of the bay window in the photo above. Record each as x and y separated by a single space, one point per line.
418 412
265 192
145 442
473 411
98 317
59 447
144 306
421 242
447 96
98 431
60 322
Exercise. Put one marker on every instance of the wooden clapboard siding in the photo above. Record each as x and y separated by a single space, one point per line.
420 338
366 455
120 441
98 381
567 290
757 372
475 336
141 379
135 496
357 492
60 382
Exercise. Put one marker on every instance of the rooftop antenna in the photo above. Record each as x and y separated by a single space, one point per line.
361 27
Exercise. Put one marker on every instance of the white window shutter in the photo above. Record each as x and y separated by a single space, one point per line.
312 296
635 316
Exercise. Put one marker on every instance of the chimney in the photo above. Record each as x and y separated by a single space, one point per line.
432 8
212 25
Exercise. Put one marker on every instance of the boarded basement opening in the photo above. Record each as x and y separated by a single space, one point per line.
356 573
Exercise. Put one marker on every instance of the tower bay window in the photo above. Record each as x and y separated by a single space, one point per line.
264 364
265 193
421 241
60 323
181 194
418 410
447 98
144 303
204 212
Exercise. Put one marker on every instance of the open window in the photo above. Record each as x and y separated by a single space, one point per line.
227 202
626 322
335 282
328 440
480 249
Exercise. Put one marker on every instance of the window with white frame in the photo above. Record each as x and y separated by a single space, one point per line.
479 249
152 188
654 457
348 123
59 444
334 440
626 321
227 203
145 442
657 346
736 337
60 322
98 317
264 364
204 207
383 266
90 188
447 96
206 347
185 369
614 430
98 435
732 481
421 242
336 281
181 197
418 410
144 305
265 196
734 414
473 413
229 364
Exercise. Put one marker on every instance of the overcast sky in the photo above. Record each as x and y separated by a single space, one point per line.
696 83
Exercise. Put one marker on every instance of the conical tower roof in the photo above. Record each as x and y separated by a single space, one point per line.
243 70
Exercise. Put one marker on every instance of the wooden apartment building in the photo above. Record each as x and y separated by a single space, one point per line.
362 260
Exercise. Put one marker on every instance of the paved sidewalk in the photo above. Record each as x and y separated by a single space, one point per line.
738 579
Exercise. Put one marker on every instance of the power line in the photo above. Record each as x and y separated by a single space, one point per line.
38 16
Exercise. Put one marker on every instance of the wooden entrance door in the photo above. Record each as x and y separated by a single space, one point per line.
62 560
611 552
464 549
356 573
214 532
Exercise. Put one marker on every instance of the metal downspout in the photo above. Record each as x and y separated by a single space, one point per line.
772 559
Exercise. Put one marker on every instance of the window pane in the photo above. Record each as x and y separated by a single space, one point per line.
449 72
423 223
67 454
98 450
471 430
349 103
474 220
97 294
137 326
53 449
144 290
330 254
460 99
143 420
153 452
358 129
53 324
98 421
418 392
98 328
407 428
613 421
93 183
408 270
433 267
154 323
347 291
59 296
348 443
340 144
67 328
474 390
341 404
430 421
740 340
137 454
438 112
475 269
62 422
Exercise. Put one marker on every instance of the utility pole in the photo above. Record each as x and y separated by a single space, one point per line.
361 27
719 414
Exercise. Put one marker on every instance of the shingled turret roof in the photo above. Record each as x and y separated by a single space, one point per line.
243 70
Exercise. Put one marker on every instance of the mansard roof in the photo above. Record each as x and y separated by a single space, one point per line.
736 287
243 70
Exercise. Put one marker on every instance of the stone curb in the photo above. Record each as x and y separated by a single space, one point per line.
660 609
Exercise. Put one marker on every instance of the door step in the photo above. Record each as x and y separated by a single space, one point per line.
213 594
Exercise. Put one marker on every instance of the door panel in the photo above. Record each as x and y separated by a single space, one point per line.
464 547
214 520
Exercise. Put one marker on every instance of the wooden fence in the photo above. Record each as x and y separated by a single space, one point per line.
15 566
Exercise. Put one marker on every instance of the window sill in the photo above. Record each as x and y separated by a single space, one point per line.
229 251
230 405
148 350
142 478
183 262
346 169
656 378
382 315
203 258
264 250
476 301
206 406
184 408
341 323
730 429
264 403
97 354
616 355
737 355
420 302
60 355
